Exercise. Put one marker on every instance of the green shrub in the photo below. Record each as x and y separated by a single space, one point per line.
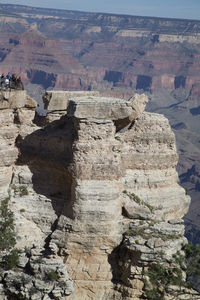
192 253
180 259
160 278
23 191
137 231
142 231
136 198
150 207
11 260
139 201
53 276
8 236
33 290
14 187
7 233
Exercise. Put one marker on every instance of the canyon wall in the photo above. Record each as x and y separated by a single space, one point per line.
95 196
117 55
79 50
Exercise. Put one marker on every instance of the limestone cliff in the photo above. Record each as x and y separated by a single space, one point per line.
118 55
95 195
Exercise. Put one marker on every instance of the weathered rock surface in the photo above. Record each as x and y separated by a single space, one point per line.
13 99
47 277
100 202
107 108
33 212
59 100
117 55
140 160
149 156
13 114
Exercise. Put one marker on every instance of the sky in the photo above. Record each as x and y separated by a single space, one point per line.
187 9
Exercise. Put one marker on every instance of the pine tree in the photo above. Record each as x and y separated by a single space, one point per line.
7 233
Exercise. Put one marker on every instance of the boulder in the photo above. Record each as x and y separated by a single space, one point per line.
120 111
58 100
13 99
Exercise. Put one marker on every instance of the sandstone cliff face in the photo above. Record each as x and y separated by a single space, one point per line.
33 211
13 106
117 55
102 196
112 53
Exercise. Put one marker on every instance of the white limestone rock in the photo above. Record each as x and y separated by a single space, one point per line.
13 99
75 171
58 100
121 111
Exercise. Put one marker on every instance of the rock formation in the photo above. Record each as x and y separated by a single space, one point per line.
80 50
95 195
118 55
34 215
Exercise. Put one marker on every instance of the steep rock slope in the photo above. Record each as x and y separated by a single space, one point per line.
108 167
90 196
33 212
117 55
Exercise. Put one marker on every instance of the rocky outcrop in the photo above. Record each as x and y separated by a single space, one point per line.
37 276
140 160
95 195
41 273
13 105
57 102
115 54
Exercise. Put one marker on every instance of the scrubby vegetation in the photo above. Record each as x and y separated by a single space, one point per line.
21 190
7 233
141 232
8 236
192 257
139 201
162 277
11 260
53 276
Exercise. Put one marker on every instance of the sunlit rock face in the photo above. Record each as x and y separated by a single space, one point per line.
117 55
34 211
73 184
149 156
107 164
13 105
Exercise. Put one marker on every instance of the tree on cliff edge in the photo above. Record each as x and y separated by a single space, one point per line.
7 233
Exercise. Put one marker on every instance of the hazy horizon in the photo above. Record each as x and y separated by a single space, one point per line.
182 9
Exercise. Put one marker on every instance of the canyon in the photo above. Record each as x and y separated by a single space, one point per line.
117 55
94 191
93 184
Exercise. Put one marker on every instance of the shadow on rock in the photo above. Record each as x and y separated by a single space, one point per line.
48 154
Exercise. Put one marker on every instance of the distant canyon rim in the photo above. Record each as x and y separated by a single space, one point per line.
116 55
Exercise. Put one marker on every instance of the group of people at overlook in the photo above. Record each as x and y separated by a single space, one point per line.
11 81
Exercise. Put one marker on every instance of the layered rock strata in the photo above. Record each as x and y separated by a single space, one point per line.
13 107
94 190
140 160
33 211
